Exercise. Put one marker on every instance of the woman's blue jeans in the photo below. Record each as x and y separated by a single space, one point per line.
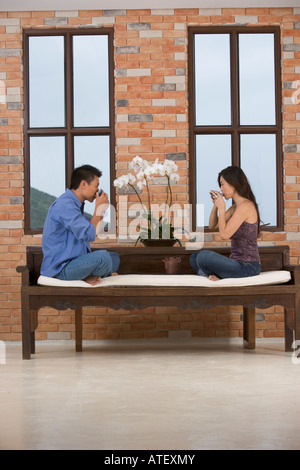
206 262
97 263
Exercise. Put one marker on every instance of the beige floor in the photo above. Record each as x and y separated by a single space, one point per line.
151 395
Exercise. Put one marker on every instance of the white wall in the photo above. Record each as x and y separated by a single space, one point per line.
41 5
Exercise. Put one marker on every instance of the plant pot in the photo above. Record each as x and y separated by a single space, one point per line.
157 242
172 265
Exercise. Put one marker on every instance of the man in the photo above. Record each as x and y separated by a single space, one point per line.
67 232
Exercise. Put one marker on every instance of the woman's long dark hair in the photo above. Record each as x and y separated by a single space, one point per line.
235 176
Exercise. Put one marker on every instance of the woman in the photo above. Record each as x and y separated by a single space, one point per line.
240 224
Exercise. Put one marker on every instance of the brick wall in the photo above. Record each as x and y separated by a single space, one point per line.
151 110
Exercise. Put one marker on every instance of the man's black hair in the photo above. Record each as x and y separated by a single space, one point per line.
84 172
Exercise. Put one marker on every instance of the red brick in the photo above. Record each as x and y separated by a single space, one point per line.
156 54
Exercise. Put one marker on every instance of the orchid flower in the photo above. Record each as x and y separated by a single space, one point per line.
145 172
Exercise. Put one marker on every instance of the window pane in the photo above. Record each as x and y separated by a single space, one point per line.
213 154
212 79
46 81
47 176
91 87
94 150
258 160
257 79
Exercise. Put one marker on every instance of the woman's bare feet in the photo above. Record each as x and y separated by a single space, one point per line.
212 277
93 280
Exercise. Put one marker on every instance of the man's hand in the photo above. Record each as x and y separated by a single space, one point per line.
101 204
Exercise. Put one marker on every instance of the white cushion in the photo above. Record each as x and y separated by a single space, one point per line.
187 280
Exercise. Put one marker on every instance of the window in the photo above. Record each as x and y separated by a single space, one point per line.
69 118
235 116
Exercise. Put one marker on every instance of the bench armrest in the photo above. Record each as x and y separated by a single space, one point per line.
24 270
295 271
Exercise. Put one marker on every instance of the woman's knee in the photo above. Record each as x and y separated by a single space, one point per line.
193 260
199 261
197 257
204 257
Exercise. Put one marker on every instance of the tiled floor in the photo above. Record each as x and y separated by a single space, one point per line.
160 395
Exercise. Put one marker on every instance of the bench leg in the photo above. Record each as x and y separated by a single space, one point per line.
32 342
297 317
78 329
289 322
33 327
292 325
249 327
26 334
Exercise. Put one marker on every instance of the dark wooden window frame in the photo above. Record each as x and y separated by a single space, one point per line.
235 129
69 131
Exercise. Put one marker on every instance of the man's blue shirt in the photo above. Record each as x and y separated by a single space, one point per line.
67 234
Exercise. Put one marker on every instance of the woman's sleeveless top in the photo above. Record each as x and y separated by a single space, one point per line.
244 243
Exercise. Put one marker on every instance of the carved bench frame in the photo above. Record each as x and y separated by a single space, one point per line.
149 261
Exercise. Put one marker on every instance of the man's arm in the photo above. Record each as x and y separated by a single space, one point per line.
101 206
70 217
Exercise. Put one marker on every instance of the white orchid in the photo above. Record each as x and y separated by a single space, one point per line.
141 184
167 168
124 181
174 177
150 171
159 169
140 175
145 172
144 169
170 167
138 164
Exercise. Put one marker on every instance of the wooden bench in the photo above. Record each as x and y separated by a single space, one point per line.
140 260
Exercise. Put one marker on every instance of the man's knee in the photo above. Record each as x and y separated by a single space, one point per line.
115 258
102 257
106 262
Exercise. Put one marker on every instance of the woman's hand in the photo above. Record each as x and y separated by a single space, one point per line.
217 200
212 195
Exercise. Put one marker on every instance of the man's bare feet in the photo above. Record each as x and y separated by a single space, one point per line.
93 280
114 274
212 277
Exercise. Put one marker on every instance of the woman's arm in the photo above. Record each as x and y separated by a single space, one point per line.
228 227
214 219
